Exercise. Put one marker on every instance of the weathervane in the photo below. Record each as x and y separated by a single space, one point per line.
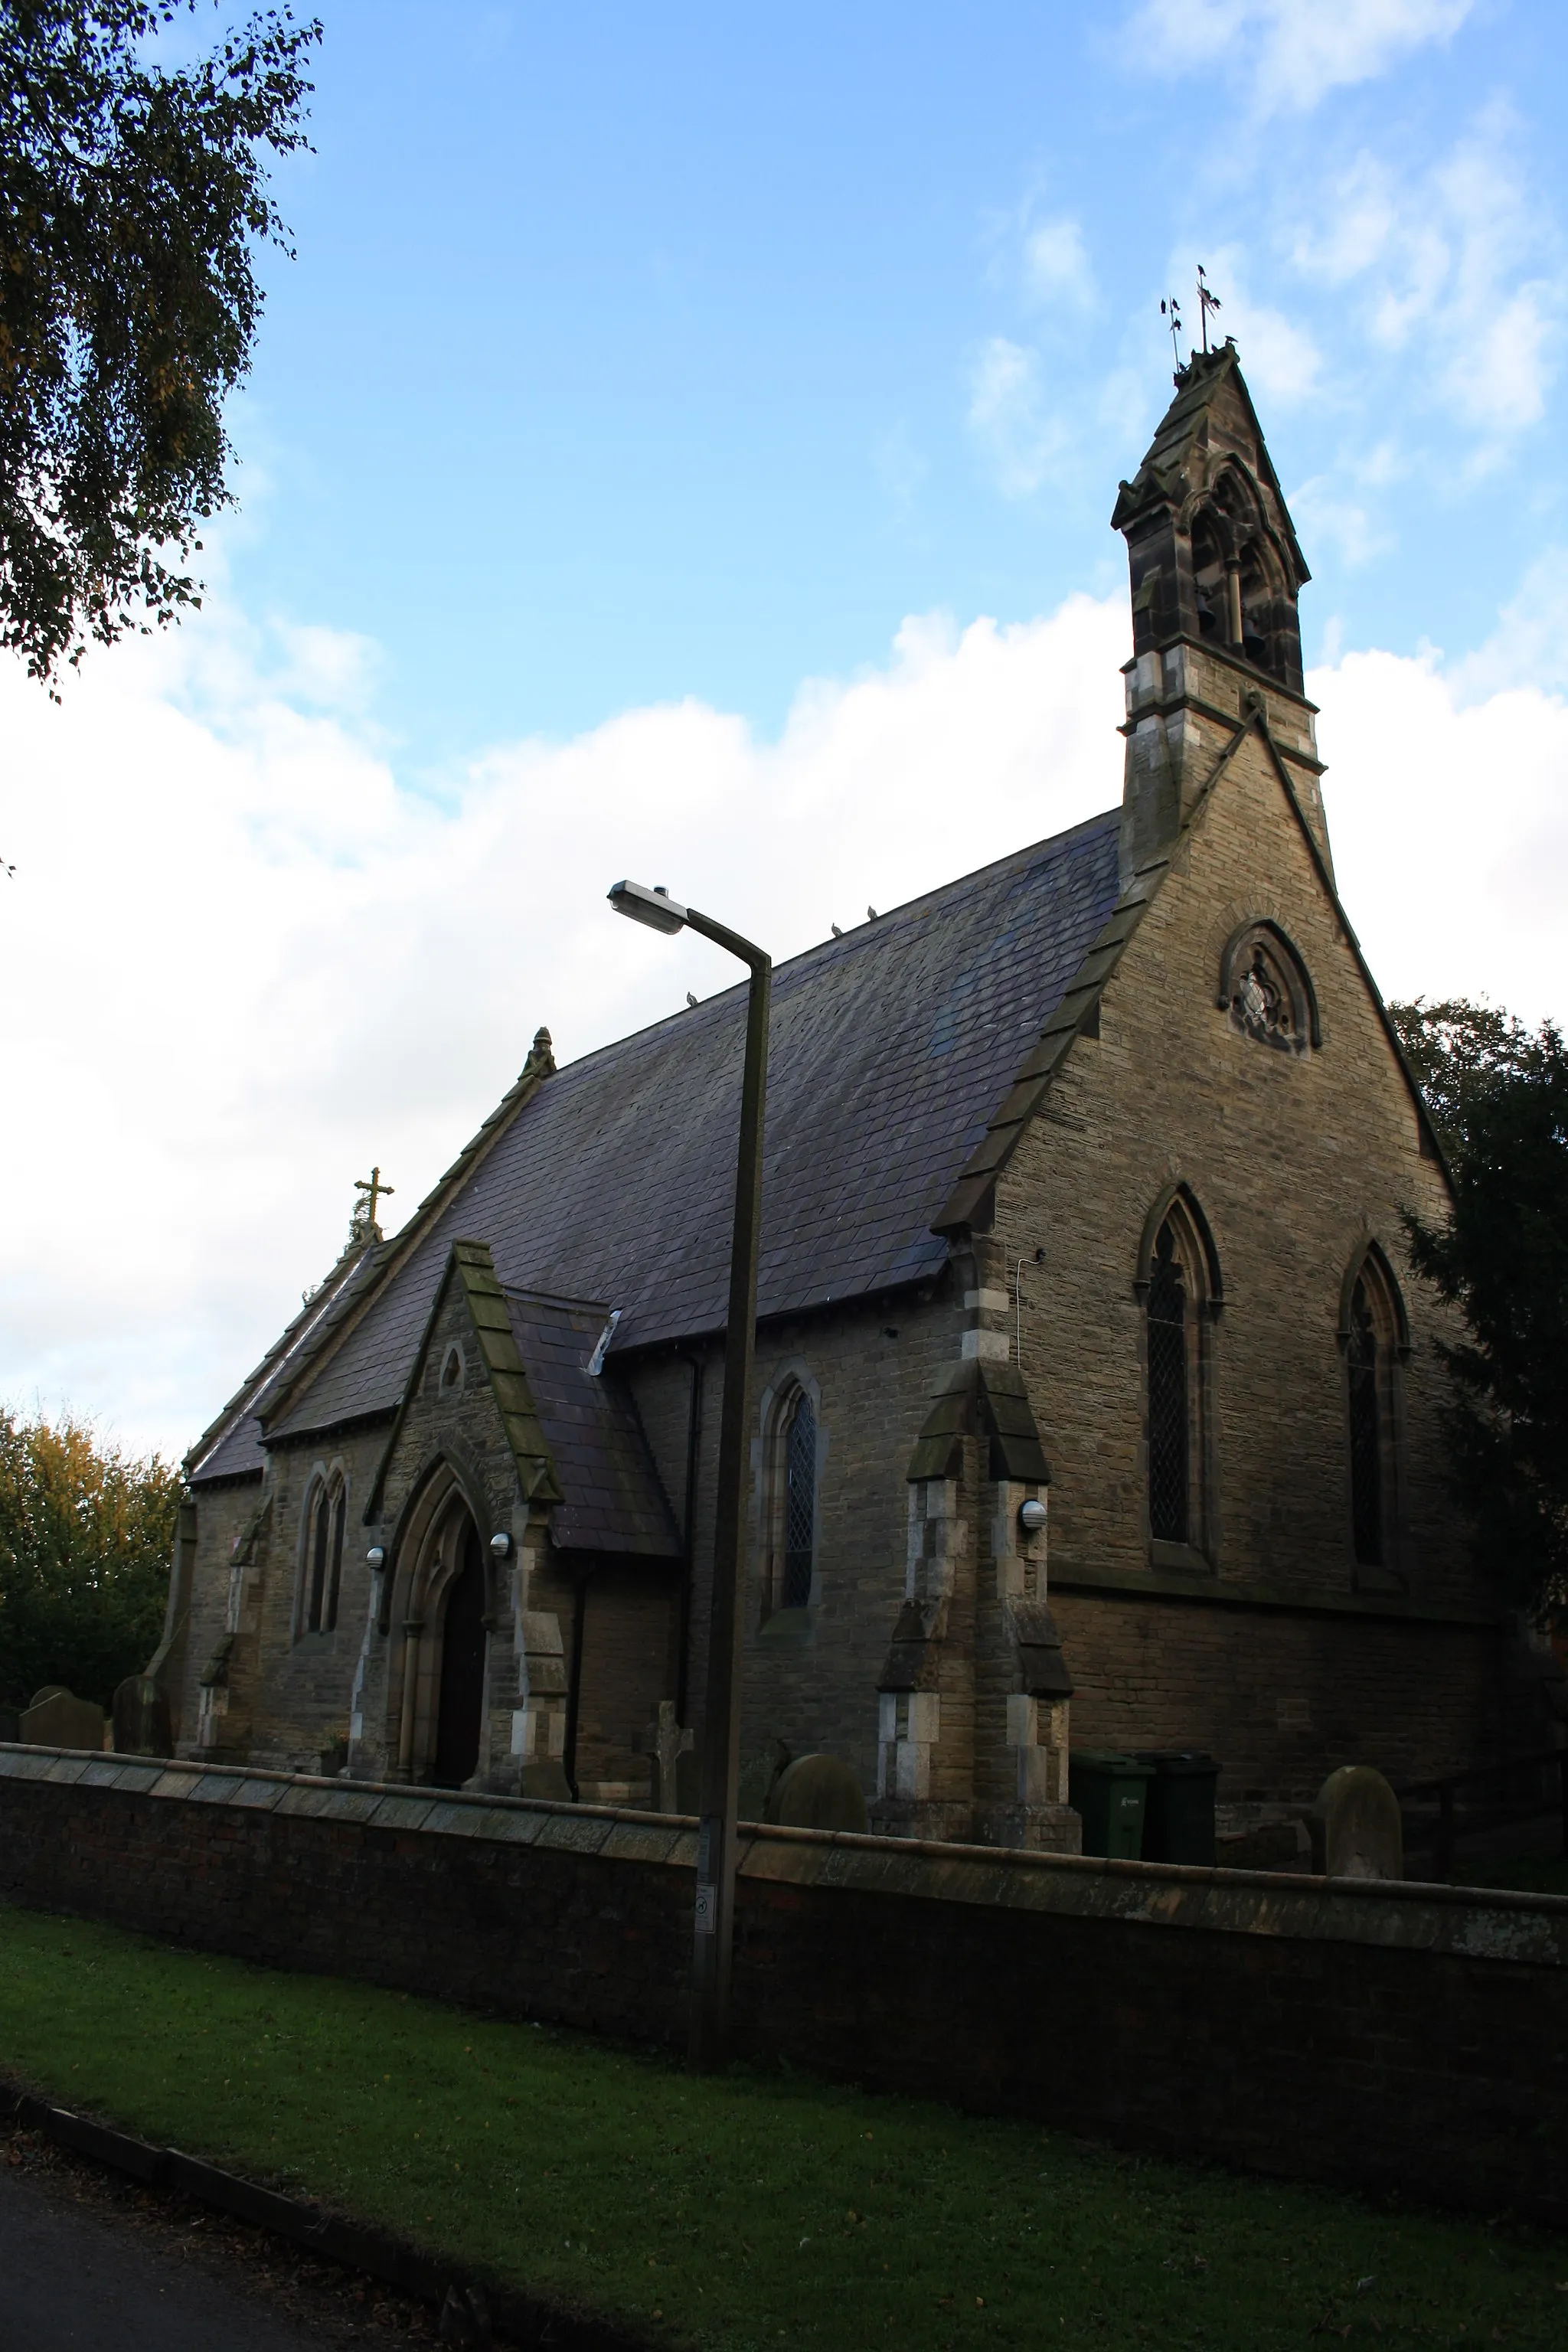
364 1210
1171 311
1206 302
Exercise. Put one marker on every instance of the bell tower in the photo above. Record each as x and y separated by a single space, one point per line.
1215 574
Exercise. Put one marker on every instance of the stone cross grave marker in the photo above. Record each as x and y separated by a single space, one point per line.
667 1743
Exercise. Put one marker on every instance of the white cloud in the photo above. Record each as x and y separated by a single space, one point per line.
1287 54
900 467
1528 648
1282 362
1459 268
1449 824
239 963
1056 263
1321 514
1024 439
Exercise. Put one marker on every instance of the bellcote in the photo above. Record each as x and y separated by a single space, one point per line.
1214 555
1216 571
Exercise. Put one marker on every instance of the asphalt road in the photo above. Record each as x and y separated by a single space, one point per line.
73 2275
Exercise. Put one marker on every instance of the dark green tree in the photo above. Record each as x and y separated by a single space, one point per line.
86 1533
1499 1097
132 197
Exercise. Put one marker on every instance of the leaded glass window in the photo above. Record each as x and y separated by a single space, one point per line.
1170 1426
1367 1433
799 1505
335 1564
324 1531
320 1535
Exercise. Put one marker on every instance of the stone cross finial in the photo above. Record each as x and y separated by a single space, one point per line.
374 1190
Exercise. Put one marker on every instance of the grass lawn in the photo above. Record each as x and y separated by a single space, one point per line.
753 2210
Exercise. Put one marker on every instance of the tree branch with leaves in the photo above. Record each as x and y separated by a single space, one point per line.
1497 1093
132 198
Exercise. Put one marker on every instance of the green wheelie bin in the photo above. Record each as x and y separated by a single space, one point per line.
1178 1820
1108 1790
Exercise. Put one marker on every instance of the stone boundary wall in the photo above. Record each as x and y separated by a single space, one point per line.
1391 2038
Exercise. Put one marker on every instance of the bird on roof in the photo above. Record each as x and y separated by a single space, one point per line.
872 912
835 929
690 998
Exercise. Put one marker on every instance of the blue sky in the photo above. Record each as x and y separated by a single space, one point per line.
684 447
634 354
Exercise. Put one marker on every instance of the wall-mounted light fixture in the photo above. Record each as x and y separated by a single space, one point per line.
500 1544
1032 1516
376 1556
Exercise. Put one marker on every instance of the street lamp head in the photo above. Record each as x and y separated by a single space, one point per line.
655 907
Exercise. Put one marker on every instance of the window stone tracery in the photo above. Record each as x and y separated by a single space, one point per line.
1265 989
321 1553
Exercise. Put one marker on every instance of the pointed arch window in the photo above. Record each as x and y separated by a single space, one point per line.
1179 1278
1373 1337
321 1560
792 1502
1170 1400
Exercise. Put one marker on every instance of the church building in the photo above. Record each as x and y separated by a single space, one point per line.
1095 1405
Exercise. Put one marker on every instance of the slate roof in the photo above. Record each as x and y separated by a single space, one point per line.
613 1500
891 1049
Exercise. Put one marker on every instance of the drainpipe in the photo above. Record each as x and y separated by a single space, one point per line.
689 1539
574 1683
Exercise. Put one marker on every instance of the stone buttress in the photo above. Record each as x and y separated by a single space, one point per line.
974 1693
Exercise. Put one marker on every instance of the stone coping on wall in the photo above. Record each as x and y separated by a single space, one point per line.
1468 1923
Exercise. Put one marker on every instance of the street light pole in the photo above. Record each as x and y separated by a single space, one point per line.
714 1922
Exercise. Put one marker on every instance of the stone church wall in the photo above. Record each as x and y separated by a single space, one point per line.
1385 2037
1294 1162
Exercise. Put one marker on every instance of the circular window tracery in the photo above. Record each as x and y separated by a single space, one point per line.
1265 989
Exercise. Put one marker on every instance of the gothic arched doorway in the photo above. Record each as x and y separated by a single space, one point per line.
460 1715
436 1687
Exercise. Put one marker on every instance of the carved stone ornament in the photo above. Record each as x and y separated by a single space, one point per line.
1261 1003
1267 993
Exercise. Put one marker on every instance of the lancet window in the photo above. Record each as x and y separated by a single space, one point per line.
1372 1335
322 1557
1180 1289
1170 1393
791 1501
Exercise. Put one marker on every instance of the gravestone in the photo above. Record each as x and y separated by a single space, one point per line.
142 1725
758 1777
1355 1826
818 1792
55 1720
